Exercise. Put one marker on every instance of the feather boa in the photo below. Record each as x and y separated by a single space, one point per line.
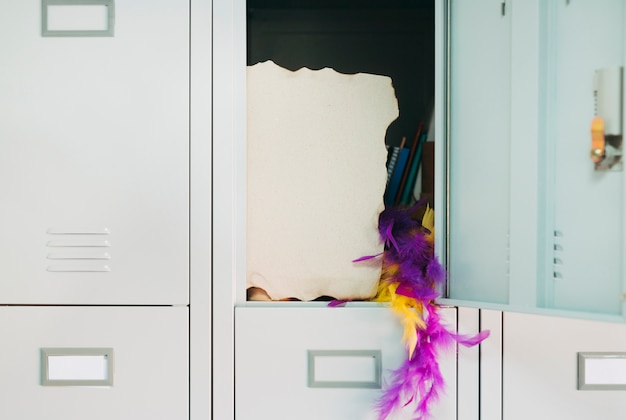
410 281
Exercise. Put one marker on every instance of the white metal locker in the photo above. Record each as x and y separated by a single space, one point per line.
94 156
273 370
149 352
265 339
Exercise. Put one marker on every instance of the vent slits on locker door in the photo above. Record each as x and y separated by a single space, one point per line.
557 258
78 250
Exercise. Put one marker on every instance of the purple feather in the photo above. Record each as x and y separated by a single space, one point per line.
470 341
418 383
393 222
367 257
418 293
435 271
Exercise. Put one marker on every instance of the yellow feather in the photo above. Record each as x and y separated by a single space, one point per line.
428 221
386 279
409 311
384 294
390 271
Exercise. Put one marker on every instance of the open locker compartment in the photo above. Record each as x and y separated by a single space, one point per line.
262 325
357 40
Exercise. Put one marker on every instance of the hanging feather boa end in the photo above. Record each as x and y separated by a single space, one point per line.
410 281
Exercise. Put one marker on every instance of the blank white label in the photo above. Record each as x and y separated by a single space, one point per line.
73 368
605 371
345 369
78 17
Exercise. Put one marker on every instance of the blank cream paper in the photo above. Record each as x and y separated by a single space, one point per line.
315 176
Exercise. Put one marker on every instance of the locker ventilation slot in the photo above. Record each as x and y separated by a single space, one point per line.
557 255
78 250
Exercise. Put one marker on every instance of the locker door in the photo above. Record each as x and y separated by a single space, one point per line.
540 368
480 105
147 363
588 206
94 150
277 376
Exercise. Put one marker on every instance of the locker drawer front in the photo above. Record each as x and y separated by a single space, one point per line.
147 348
320 363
